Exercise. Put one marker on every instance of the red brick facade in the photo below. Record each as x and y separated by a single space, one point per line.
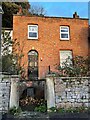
48 43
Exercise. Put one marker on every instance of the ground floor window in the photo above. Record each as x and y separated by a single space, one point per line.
65 56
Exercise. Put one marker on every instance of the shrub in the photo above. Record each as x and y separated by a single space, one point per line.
79 66
15 111
41 108
74 110
53 109
61 110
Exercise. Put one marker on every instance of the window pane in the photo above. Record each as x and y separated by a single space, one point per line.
64 30
65 56
32 34
64 35
32 53
32 28
32 64
35 64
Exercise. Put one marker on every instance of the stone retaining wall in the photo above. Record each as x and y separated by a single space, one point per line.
8 95
72 92
4 94
68 92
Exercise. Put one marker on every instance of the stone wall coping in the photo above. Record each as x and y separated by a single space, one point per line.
50 75
4 77
52 17
15 76
8 75
53 75
73 77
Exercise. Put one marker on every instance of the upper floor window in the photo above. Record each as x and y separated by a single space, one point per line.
64 32
32 31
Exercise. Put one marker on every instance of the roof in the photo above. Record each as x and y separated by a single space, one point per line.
52 17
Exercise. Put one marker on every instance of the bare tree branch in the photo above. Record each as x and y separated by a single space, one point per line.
37 10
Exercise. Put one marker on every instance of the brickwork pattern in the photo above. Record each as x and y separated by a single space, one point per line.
48 43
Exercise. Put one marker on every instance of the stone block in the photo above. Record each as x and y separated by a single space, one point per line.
68 105
86 104
60 88
85 100
79 100
65 100
57 101
61 105
72 100
74 97
75 104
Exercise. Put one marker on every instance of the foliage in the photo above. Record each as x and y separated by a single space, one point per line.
52 109
18 55
11 8
30 100
11 61
37 10
7 57
73 110
6 43
61 110
24 5
81 109
41 108
80 66
15 111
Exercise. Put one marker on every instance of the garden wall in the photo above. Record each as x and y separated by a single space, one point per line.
68 91
8 92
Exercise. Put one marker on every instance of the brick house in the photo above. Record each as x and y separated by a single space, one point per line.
48 41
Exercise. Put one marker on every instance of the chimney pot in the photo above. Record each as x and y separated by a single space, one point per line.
75 15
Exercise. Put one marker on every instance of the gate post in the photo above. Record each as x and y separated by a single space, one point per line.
50 93
14 94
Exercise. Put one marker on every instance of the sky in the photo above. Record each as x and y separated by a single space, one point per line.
64 9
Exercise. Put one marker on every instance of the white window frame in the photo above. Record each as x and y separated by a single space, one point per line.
33 31
61 28
65 51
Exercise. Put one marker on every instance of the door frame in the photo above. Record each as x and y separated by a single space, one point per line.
36 52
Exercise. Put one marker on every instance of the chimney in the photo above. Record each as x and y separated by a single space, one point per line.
20 12
75 15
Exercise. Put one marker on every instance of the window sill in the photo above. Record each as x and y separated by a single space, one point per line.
32 39
64 39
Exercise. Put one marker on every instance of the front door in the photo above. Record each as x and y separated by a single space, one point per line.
33 65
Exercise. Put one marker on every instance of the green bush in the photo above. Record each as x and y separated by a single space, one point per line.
53 109
15 111
74 110
77 67
61 110
41 108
